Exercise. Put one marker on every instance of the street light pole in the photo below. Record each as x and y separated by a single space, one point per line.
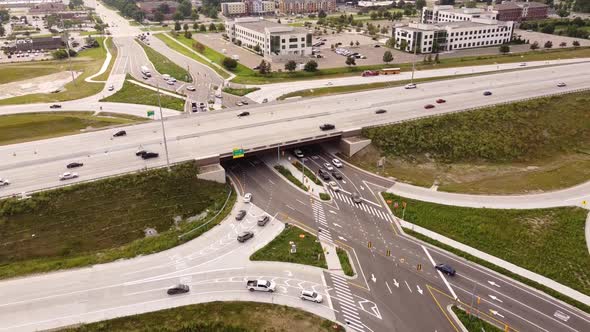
163 130
414 60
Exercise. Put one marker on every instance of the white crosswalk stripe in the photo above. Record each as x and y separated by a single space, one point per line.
347 305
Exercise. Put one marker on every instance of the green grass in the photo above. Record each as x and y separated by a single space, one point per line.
168 40
88 62
18 128
539 240
344 262
89 33
134 94
287 173
102 221
239 92
217 317
113 50
325 197
12 72
472 323
164 65
308 173
278 250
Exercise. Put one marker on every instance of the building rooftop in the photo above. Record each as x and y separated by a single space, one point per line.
260 25
506 6
452 25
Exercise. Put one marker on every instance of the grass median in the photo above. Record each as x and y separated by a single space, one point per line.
164 65
114 52
106 220
308 173
219 317
239 92
530 146
472 323
287 173
132 93
309 251
344 262
27 127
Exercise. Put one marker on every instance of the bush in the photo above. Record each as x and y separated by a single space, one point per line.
230 63
324 197
311 66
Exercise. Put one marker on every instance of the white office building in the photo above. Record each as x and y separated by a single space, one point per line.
274 39
447 13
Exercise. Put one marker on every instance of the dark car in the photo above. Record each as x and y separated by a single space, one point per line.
178 289
194 107
74 165
337 175
120 133
327 126
440 101
428 106
55 106
245 102
149 155
446 269
241 214
356 197
324 174
377 46
487 93
140 152
245 236
263 220
381 111
244 114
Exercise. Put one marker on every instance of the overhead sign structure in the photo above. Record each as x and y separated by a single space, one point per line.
238 153
150 113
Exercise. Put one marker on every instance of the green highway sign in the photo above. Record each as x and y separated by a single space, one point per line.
238 153
150 113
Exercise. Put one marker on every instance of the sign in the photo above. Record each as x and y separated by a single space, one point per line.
238 153
404 204
150 113
388 201
388 253
395 205
302 235
369 245
419 267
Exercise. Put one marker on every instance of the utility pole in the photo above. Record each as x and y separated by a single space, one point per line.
163 130
67 47
414 60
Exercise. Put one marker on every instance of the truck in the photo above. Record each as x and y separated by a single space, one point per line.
261 285
146 71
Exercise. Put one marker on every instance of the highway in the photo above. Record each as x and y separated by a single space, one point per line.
36 165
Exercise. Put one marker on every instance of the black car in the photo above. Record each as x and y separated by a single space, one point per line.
120 133
446 269
74 165
245 236
381 111
244 114
327 126
487 93
178 289
263 220
194 107
149 155
324 174
337 175
245 102
55 106
241 214
140 152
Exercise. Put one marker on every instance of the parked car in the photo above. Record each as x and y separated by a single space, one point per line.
561 84
487 93
380 111
261 285
245 236
74 165
240 215
265 100
323 174
190 88
4 182
337 175
311 296
120 133
356 197
298 153
68 176
111 87
263 220
334 186
328 166
446 269
178 289
336 163
150 155
327 126
243 114
440 101
247 198
55 106
410 86
428 106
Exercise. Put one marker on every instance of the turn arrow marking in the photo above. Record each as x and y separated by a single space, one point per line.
396 283
493 284
495 298
373 277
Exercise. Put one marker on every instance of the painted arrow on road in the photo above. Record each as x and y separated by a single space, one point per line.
419 289
373 277
289 273
495 313
495 298
396 283
341 238
493 284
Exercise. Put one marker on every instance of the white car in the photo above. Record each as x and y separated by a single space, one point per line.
111 87
190 88
410 86
311 296
522 64
247 198
4 182
172 79
298 153
561 84
334 186
169 82
68 176
328 166
337 163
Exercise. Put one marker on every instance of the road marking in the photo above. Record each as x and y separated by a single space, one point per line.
289 273
341 238
493 284
373 277
495 313
362 188
495 298
419 289
408 286
332 212
396 283
335 224
440 273
389 288
290 207
269 180
560 315
300 202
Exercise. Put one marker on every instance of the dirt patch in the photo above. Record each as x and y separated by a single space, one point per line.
41 84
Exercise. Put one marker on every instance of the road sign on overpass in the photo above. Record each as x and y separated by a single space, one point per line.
238 153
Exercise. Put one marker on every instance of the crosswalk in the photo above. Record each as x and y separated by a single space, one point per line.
348 307
320 217
363 206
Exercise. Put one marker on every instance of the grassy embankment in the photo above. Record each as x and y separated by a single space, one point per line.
88 62
105 220
218 316
134 94
35 126
539 240
309 252
114 51
530 146
474 324
164 65
239 92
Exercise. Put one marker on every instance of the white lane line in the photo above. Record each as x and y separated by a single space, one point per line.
350 314
335 224
440 273
348 305
343 300
407 285
356 320
388 288
334 276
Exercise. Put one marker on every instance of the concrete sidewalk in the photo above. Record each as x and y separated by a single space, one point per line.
332 258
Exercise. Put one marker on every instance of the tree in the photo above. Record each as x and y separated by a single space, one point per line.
436 60
562 44
176 26
420 4
188 34
177 16
322 14
263 67
229 63
403 45
2 31
185 27
220 27
158 16
198 47
576 43
534 46
429 58
202 28
185 8
194 15
290 65
549 28
195 26
357 43
311 66
350 61
164 8
390 42
351 43
548 44
76 3
212 27
387 57
563 12
257 48
504 49
470 4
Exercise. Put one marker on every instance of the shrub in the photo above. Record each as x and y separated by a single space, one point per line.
324 197
230 63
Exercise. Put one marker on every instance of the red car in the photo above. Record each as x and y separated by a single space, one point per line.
440 101
429 106
367 73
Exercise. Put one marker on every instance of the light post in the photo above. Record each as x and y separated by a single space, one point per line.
414 60
163 130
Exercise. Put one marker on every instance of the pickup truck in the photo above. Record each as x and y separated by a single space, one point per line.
261 285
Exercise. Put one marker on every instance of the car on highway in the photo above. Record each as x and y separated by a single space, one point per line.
4 182
169 82
239 103
68 176
74 165
120 133
245 236
190 88
240 215
111 87
150 155
380 111
337 175
334 186
298 153
327 126
336 163
140 152
328 166
487 93
522 64
243 114
311 296
356 197
410 86
440 101
245 102
247 198
324 174
446 269
263 220
55 106
561 84
428 106
178 289
144 77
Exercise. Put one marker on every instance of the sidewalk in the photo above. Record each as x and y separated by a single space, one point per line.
332 258
314 189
